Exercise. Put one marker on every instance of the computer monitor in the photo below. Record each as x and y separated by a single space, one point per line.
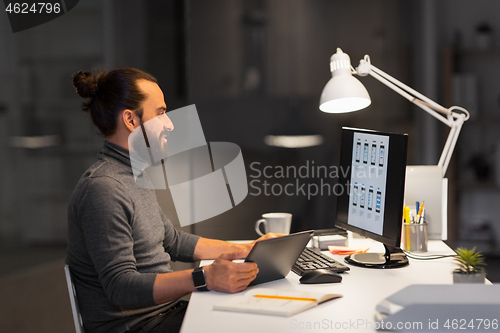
373 166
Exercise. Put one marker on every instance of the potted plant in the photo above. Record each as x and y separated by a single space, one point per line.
470 266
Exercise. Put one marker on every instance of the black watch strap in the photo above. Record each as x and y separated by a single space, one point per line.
199 279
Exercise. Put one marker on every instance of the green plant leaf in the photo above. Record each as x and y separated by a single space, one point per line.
469 261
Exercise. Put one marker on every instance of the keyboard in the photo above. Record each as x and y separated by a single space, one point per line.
311 259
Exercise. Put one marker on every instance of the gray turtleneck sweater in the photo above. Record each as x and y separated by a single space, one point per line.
118 241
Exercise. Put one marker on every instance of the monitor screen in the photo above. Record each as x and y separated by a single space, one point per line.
373 168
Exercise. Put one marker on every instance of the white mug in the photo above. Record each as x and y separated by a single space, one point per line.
275 222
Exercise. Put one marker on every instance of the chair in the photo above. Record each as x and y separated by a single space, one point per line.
77 318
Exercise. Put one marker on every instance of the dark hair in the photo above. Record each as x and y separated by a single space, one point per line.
109 93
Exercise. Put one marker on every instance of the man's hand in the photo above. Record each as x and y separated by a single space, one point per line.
230 277
267 236
212 248
248 246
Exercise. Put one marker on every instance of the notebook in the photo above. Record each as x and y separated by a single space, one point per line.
274 302
276 256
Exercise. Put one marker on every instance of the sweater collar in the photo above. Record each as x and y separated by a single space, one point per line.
116 152
125 158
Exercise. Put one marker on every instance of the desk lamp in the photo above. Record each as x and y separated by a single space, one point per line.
344 93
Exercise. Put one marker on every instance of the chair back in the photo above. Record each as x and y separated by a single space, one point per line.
77 318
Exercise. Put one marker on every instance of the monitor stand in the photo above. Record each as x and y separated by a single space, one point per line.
392 258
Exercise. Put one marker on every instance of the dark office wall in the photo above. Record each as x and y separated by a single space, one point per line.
255 67
251 67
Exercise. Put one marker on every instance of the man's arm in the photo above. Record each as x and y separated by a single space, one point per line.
207 248
212 248
222 275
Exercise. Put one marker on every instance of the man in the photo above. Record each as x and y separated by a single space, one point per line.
120 242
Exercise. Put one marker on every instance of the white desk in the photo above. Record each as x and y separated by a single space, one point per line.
362 288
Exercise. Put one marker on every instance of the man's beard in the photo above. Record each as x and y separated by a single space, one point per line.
158 150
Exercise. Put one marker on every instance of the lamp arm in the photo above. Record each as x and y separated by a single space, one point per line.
454 120
451 141
427 107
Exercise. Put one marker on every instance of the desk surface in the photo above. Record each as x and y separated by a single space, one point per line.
362 288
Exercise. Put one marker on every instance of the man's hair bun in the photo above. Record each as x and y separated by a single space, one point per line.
85 84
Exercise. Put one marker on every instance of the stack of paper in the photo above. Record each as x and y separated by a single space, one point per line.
441 308
345 250
322 242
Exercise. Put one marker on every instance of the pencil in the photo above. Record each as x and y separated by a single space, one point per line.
287 297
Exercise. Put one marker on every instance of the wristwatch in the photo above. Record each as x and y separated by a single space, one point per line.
199 279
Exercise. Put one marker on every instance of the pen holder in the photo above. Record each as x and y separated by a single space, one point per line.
415 237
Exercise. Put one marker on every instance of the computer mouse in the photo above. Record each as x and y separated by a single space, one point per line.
320 276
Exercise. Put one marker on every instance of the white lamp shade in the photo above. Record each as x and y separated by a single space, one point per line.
344 93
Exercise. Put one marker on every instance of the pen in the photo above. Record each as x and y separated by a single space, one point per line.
287 298
417 205
422 208
420 212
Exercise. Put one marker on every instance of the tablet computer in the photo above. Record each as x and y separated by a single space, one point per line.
275 256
